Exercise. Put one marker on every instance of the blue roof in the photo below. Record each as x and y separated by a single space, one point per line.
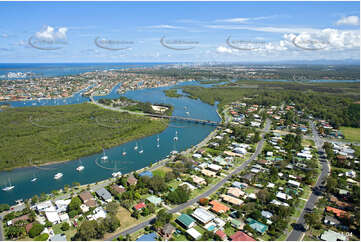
148 237
146 173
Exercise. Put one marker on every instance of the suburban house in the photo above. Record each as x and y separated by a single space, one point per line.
194 233
139 206
218 207
259 227
167 231
338 212
131 180
231 200
186 221
221 234
203 215
331 235
241 236
104 194
155 200
331 220
117 189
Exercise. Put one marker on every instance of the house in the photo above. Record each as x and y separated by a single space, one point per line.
331 220
28 227
221 234
41 207
198 180
148 237
88 199
283 196
53 216
338 212
64 217
21 218
235 192
218 207
186 221
237 224
266 214
62 205
167 231
132 180
104 194
248 177
203 215
208 173
231 200
117 189
214 167
84 208
155 200
194 233
146 173
331 235
139 206
241 236
293 184
259 227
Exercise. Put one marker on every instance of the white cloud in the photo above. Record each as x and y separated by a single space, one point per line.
349 20
163 26
244 20
49 33
222 49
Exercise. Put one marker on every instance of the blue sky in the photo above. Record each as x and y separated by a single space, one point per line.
178 31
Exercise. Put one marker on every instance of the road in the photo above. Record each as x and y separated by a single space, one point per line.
297 233
205 194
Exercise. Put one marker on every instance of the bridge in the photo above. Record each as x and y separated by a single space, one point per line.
179 118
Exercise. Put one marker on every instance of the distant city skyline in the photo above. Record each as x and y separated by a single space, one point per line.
178 31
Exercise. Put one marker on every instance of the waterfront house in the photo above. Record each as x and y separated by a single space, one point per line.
241 236
132 180
186 221
203 215
88 199
117 189
104 194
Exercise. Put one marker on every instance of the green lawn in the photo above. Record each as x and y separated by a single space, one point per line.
352 134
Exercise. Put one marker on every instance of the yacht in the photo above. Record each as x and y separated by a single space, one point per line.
124 153
136 146
158 138
58 175
141 151
104 157
8 188
80 168
176 136
117 174
34 179
187 113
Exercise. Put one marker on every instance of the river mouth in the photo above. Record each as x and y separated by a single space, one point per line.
97 169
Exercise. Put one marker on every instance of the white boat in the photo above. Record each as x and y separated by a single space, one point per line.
176 136
8 188
136 146
117 174
80 168
158 138
124 153
58 175
141 150
174 152
187 113
104 157
34 179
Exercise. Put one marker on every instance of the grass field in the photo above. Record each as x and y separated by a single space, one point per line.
351 134
61 133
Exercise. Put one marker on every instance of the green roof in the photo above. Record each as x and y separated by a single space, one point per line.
259 227
236 222
155 200
186 220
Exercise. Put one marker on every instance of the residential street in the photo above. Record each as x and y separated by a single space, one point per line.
205 194
297 234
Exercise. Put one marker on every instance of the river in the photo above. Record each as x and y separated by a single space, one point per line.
189 134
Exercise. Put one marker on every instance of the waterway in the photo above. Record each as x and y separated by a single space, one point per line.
189 134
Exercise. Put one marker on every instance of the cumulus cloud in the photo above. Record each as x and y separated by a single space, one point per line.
223 49
50 34
349 20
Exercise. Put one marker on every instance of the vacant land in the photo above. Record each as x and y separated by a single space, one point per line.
351 134
61 133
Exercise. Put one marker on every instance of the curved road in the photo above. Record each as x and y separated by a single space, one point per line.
297 233
205 194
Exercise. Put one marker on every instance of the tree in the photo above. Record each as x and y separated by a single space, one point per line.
15 232
112 207
74 204
42 237
87 231
111 223
179 195
162 218
264 196
4 207
207 235
313 219
204 201
36 230
65 226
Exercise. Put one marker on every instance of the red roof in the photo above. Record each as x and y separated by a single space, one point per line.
221 234
240 236
140 206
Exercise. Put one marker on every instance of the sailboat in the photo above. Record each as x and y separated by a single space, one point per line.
141 150
104 157
80 168
124 153
116 173
136 146
8 188
176 136
34 178
58 175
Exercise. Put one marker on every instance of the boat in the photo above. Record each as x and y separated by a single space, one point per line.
136 146
117 174
176 136
58 175
158 138
80 168
174 152
34 179
141 150
187 113
104 157
8 188
124 153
